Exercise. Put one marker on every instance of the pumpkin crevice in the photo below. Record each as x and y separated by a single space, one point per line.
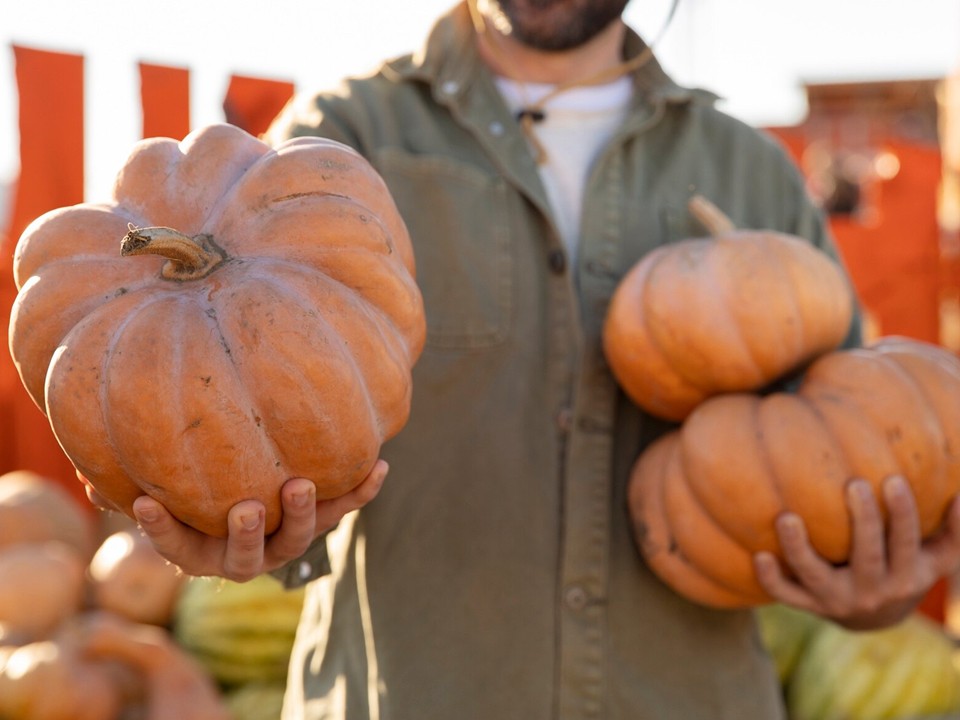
316 193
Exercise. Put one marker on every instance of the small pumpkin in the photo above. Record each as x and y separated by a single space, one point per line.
130 578
172 684
732 312
34 508
52 680
704 498
41 586
235 316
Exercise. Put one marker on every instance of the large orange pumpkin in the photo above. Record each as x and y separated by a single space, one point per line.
704 499
258 321
727 313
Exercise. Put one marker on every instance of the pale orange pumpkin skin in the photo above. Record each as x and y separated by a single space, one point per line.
41 586
703 499
729 313
129 578
35 508
291 357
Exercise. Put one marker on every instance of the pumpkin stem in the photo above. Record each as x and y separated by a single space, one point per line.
189 258
710 216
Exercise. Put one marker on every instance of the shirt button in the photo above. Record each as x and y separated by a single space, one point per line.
558 263
496 128
575 597
450 87
597 268
565 419
304 570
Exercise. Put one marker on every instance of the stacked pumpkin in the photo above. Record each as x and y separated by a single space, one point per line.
694 334
235 316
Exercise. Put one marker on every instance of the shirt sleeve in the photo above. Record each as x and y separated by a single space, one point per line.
313 115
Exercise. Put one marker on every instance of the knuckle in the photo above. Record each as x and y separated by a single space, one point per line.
242 570
909 587
241 575
869 602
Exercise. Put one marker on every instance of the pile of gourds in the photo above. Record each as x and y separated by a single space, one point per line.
698 332
908 671
103 628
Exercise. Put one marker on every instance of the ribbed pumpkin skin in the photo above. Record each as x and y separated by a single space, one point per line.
704 499
291 358
733 313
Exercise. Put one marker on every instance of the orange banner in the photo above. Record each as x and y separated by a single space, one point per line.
50 87
165 99
252 103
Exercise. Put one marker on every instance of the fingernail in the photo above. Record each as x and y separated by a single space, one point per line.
789 523
146 513
300 498
764 559
895 486
766 564
250 521
859 491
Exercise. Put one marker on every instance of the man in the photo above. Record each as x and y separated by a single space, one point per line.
496 576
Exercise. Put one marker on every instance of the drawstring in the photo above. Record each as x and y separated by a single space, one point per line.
532 113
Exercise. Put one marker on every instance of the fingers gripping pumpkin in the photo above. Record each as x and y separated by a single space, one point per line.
704 499
259 321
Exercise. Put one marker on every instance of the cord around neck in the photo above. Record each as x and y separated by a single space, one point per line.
534 112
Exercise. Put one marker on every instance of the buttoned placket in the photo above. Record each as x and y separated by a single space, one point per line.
587 470
585 396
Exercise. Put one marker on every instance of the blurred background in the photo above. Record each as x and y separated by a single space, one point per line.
864 93
757 54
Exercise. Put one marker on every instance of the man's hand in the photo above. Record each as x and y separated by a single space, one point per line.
889 571
245 552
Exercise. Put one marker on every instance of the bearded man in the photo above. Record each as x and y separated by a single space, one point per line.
536 150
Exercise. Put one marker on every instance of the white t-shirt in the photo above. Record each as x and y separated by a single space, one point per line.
578 123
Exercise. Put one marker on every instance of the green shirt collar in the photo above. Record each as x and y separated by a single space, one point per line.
449 62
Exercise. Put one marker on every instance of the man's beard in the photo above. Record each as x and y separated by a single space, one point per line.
555 25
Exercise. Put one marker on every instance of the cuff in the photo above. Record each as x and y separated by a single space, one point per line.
314 563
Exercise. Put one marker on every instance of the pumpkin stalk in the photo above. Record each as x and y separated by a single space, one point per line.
189 258
710 216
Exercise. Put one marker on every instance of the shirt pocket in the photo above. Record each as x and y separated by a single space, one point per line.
458 219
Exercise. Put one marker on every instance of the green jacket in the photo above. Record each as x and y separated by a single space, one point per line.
495 576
